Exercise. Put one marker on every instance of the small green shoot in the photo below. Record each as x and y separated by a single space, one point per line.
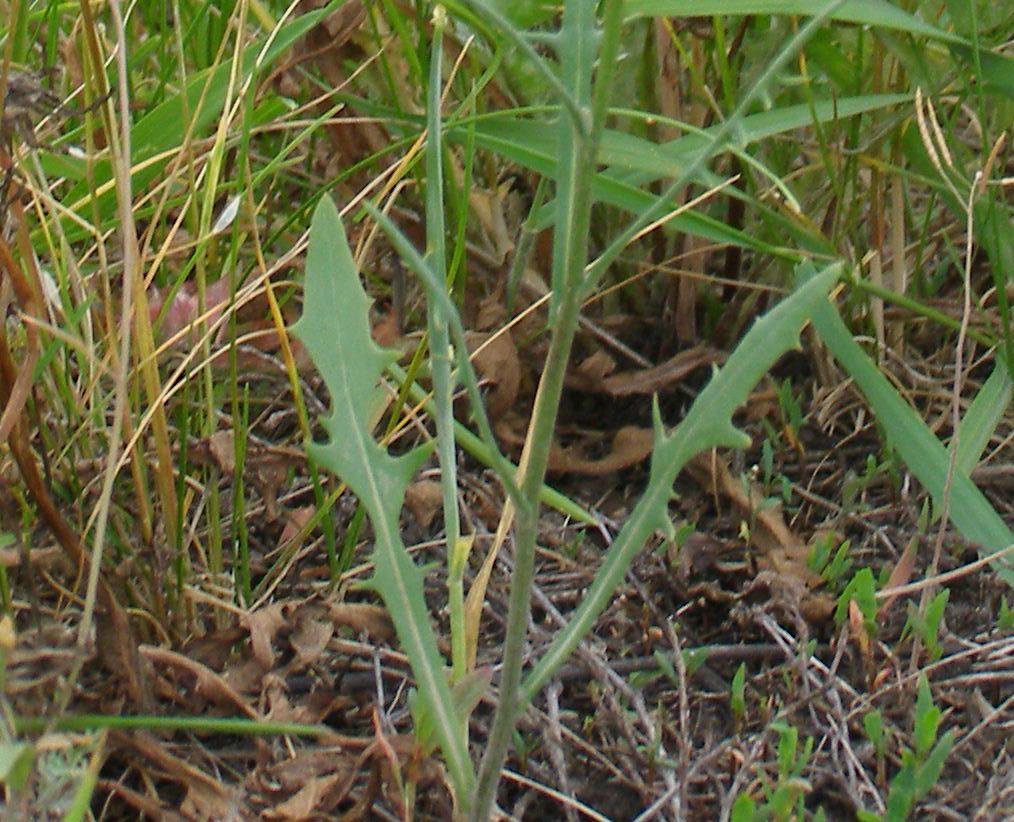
862 589
737 696
856 485
1005 618
777 486
792 411
832 564
523 747
6 540
920 768
873 724
785 800
693 659
16 760
672 546
927 627
744 809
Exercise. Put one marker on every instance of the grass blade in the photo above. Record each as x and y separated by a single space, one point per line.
864 12
970 511
163 129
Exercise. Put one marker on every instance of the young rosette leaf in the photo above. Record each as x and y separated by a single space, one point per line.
335 329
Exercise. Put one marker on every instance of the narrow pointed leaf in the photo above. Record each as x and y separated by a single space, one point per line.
924 454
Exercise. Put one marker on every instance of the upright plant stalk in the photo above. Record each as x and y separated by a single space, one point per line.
644 519
440 353
579 138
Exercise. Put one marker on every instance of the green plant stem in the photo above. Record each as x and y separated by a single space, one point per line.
436 288
440 357
543 421
917 308
579 147
193 724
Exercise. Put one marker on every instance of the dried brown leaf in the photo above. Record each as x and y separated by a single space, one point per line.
263 626
308 802
291 773
207 683
424 498
631 445
595 369
280 708
496 361
595 373
489 208
222 448
364 618
900 574
245 676
310 639
270 470
295 521
698 552
207 800
214 649
779 549
857 628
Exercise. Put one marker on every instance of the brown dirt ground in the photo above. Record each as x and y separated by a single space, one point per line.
619 734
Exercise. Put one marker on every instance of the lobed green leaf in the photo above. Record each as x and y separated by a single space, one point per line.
335 329
708 424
